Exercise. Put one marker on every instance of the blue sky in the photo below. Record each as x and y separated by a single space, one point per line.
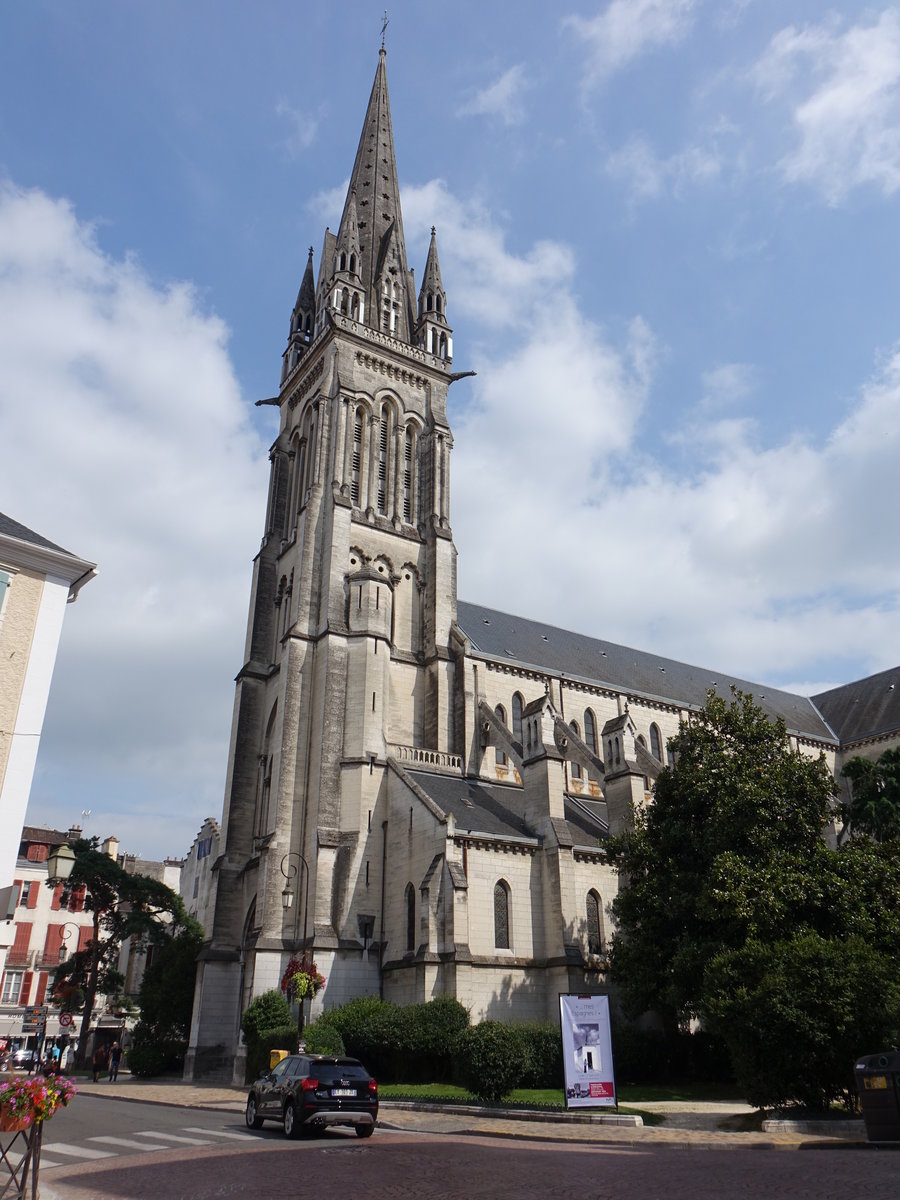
667 231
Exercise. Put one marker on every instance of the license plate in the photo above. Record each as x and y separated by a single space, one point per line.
875 1083
343 1091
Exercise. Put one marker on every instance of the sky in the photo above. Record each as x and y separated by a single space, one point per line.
668 236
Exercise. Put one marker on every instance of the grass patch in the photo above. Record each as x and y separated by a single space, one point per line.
634 1093
547 1099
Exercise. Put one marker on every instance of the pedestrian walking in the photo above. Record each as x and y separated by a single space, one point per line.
115 1055
98 1061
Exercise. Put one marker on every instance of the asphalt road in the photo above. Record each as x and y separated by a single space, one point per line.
185 1154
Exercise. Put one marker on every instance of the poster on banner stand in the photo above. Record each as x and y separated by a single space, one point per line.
587 1051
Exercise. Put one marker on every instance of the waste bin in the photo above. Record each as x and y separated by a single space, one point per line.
275 1057
878 1084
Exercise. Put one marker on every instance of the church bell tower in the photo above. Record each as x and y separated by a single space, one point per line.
349 657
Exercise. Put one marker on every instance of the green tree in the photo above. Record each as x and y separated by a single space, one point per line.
729 849
874 807
123 906
734 910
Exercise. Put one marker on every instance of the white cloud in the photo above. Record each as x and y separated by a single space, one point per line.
303 128
758 559
626 29
502 99
843 93
126 441
649 177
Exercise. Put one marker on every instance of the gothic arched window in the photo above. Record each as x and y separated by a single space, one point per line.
590 731
410 919
594 924
655 743
501 915
576 767
499 755
517 707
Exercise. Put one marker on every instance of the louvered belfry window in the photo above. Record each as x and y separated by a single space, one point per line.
356 460
382 461
407 476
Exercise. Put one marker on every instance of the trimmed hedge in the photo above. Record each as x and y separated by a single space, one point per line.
412 1044
540 1048
651 1056
491 1060
283 1037
148 1056
323 1039
269 1010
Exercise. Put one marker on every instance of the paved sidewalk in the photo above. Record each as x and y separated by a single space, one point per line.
687 1124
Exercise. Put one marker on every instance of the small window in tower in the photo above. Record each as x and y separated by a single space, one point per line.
429 302
342 266
352 264
437 305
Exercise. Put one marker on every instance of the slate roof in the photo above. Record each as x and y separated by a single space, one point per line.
488 808
867 708
506 638
11 528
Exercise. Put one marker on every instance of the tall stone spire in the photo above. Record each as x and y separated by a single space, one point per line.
432 331
384 273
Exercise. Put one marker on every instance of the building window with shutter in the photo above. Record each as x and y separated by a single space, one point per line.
12 986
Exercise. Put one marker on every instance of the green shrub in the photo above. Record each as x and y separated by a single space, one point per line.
282 1037
268 1011
149 1055
323 1039
490 1060
540 1045
408 1044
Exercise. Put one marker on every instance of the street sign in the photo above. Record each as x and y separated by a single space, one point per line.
35 1015
65 1020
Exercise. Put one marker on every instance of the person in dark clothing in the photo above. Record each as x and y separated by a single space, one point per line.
115 1055
98 1061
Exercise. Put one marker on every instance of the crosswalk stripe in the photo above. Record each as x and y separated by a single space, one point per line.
223 1133
173 1137
77 1151
127 1143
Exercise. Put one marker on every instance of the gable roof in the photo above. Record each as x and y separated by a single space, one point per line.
13 529
492 809
505 638
869 707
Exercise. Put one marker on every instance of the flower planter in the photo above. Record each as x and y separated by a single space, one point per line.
10 1123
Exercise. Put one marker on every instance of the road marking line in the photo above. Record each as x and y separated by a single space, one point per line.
173 1137
240 1137
127 1143
78 1151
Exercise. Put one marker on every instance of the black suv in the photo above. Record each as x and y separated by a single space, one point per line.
309 1091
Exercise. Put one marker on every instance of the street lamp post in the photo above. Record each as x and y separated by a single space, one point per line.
290 871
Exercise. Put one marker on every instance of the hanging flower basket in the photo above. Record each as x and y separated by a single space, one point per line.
25 1102
301 979
12 1124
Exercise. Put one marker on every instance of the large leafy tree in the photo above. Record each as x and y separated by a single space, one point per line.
123 906
726 878
874 807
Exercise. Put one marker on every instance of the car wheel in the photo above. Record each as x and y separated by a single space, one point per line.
291 1127
365 1130
254 1121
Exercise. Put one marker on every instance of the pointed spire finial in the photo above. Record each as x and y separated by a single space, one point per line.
384 24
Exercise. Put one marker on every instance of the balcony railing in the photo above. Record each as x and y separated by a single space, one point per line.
427 760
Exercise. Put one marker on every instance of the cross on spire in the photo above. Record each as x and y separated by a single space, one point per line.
384 25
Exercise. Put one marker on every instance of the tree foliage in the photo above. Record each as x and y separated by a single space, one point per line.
730 892
123 905
874 807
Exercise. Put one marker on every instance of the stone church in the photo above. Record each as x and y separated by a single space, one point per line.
419 788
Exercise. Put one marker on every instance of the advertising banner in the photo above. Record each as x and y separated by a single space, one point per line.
587 1051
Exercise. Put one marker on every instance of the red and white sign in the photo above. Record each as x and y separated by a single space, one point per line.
65 1020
